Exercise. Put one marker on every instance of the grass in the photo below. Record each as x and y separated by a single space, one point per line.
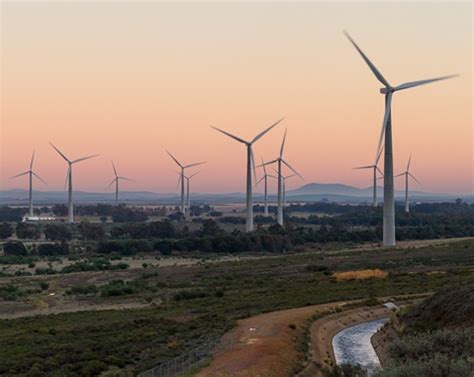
88 343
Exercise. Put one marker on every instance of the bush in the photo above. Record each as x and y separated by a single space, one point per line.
27 231
15 248
6 231
57 232
53 249
44 285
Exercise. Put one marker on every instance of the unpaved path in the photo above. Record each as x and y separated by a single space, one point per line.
270 344
267 344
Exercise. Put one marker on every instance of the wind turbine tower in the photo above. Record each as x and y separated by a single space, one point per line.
69 180
407 175
279 160
375 169
265 193
30 173
182 178
250 168
116 181
386 137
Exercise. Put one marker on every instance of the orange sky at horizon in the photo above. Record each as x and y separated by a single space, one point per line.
132 80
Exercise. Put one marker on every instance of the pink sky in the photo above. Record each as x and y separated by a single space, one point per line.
130 80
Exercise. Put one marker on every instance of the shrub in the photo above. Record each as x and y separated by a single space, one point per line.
53 249
15 248
6 230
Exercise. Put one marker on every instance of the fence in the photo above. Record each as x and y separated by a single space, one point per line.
189 360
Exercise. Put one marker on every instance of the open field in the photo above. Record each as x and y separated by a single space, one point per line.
170 309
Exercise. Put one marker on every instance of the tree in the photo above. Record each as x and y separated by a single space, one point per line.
6 230
91 231
210 228
57 232
59 210
15 248
27 231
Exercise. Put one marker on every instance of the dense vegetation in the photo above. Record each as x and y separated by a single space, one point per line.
437 338
204 301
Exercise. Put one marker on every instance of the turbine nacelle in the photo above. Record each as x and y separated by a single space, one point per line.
386 90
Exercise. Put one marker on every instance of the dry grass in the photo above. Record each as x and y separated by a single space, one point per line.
360 275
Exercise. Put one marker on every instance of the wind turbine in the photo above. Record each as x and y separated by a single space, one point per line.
407 174
284 178
183 207
386 136
187 188
30 173
250 167
265 179
375 168
279 161
69 179
116 181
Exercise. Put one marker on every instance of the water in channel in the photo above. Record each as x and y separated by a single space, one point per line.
352 345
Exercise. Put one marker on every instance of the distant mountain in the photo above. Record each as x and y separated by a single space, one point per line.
311 192
346 190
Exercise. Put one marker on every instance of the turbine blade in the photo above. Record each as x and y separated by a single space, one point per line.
126 179
261 179
416 180
111 183
363 167
67 176
265 131
293 170
398 175
192 175
290 176
379 155
84 158
412 84
263 165
115 170
230 135
380 171
283 144
60 153
175 160
32 159
179 180
37 176
268 163
375 71
195 164
253 164
409 162
272 176
388 109
19 175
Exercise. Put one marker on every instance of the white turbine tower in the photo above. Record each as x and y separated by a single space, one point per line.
265 194
250 167
283 179
375 168
69 180
279 161
407 174
183 204
188 202
116 181
30 173
386 136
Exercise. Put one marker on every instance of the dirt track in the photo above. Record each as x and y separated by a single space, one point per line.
266 344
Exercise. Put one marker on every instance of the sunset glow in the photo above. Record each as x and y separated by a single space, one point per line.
132 80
